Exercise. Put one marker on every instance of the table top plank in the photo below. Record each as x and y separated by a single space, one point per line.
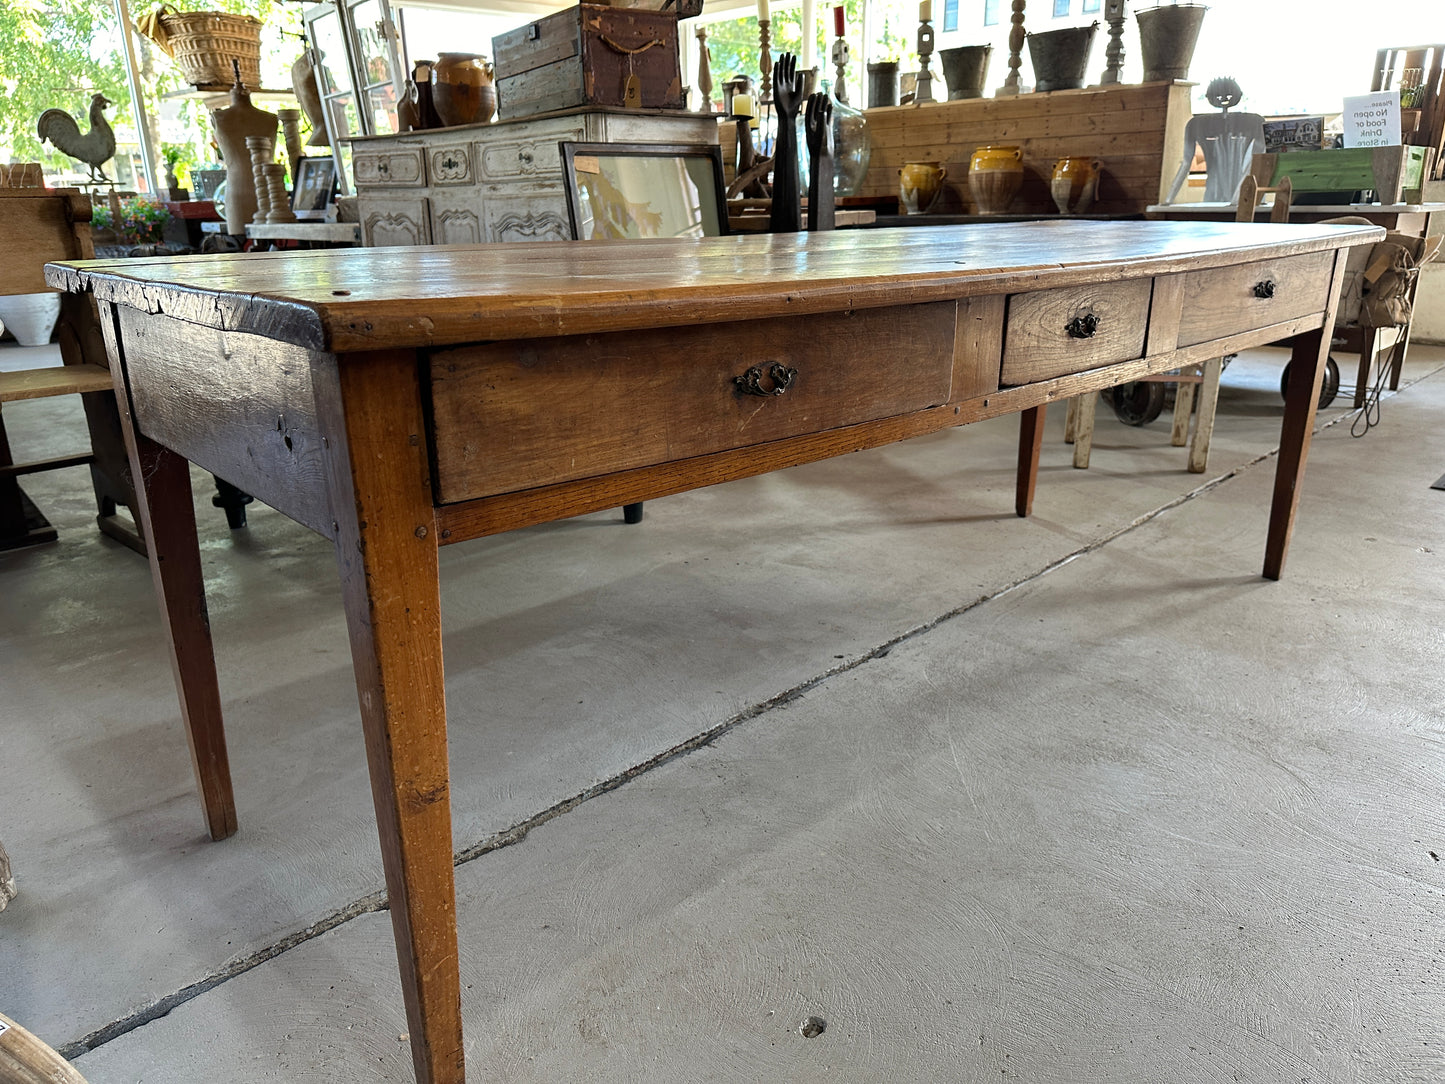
376 298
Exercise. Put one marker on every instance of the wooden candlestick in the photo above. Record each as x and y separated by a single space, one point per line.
765 60
1016 50
704 71
923 92
840 56
1114 53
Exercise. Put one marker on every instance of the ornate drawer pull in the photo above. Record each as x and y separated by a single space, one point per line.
1264 289
751 382
1082 327
524 156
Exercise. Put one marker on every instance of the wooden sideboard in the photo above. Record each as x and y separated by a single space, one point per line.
492 182
400 400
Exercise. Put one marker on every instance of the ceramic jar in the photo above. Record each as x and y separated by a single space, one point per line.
919 186
994 176
462 89
1074 183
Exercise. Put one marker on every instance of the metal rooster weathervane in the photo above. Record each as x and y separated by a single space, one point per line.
94 148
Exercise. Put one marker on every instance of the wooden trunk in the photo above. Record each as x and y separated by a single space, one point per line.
585 56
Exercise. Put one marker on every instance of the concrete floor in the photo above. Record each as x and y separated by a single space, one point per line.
1077 798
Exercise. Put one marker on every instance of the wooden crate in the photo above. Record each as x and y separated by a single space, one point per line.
584 56
1389 171
1137 131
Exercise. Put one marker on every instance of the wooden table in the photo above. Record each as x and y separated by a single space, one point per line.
1411 219
397 400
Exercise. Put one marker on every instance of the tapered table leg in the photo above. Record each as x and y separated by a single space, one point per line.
386 548
1031 441
167 521
1306 373
1308 355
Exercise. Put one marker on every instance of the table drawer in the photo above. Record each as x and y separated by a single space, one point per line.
512 416
1228 300
398 167
1050 333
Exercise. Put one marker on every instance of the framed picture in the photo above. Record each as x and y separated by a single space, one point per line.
633 190
314 187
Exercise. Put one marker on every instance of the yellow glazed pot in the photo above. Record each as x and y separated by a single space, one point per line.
994 176
919 186
462 89
1074 184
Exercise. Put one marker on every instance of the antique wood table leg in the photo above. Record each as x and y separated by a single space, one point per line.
1031 441
1306 372
386 549
167 521
1308 355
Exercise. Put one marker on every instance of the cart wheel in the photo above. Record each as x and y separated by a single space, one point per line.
1329 387
1138 402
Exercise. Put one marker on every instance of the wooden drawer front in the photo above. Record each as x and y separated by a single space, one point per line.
388 222
454 218
542 217
1108 322
527 158
450 164
1227 300
511 416
396 167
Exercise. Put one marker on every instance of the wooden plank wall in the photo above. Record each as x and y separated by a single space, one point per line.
1137 131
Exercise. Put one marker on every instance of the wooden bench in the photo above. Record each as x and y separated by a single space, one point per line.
38 225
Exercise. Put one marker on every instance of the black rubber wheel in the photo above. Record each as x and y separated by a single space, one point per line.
1138 402
1329 386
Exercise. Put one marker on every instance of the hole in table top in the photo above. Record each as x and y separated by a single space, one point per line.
340 293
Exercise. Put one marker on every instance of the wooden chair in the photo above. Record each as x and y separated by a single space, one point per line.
38 225
1079 421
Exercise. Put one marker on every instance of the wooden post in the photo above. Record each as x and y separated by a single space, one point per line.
167 519
1306 372
1031 440
1016 48
386 549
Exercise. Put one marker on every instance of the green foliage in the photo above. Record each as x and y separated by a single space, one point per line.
733 46
54 54
57 53
141 219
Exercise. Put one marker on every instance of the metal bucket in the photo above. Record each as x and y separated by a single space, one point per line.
1060 57
1166 40
965 70
883 83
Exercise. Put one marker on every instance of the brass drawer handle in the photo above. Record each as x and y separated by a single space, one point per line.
1264 290
1082 327
751 382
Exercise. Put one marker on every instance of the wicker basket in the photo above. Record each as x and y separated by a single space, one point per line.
205 42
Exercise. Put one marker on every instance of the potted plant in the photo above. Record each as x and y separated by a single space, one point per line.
173 156
141 221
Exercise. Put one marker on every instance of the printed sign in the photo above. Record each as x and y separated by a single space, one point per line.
1373 120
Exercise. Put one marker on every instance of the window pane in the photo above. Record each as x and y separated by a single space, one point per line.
331 46
1091 6
374 60
950 14
1061 8
990 12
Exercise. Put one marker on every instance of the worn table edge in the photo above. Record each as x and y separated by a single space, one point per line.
357 325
